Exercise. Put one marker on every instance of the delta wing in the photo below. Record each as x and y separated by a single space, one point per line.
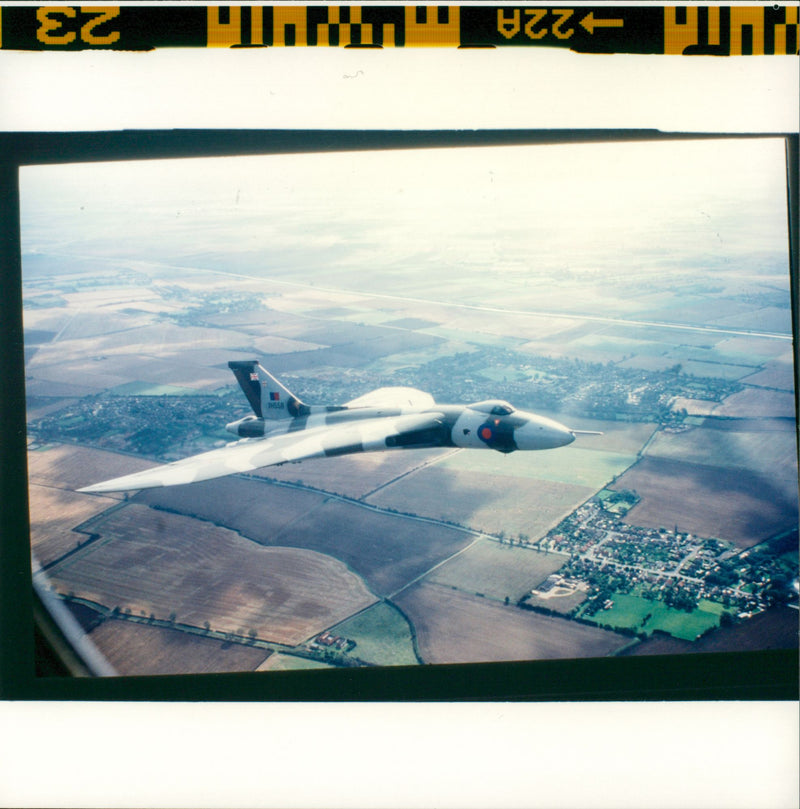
250 454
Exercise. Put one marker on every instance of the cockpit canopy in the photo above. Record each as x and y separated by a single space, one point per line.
493 407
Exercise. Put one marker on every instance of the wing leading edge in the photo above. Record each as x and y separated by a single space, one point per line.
251 454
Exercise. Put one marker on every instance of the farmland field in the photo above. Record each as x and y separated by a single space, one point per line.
354 475
254 508
647 362
632 612
286 662
190 371
738 505
720 354
131 338
136 649
54 513
753 403
467 335
659 337
391 363
774 629
382 635
453 627
151 562
147 389
484 503
768 448
775 375
70 467
618 437
768 318
497 570
757 350
614 348
715 369
694 407
577 465
386 550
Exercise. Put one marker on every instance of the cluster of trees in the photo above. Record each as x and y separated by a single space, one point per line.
680 598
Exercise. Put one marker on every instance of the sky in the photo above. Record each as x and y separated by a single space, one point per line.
542 209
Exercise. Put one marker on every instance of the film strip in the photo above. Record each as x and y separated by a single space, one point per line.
690 30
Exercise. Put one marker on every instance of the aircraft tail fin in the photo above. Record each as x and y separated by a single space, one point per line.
268 397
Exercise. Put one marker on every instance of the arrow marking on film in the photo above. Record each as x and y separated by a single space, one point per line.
590 22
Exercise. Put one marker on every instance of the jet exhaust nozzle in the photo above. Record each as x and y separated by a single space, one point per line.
248 427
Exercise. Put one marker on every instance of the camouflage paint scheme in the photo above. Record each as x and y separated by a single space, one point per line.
282 429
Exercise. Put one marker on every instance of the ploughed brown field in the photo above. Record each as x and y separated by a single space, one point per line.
454 627
386 550
136 649
168 565
251 507
738 505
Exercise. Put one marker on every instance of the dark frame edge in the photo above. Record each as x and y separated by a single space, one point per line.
762 675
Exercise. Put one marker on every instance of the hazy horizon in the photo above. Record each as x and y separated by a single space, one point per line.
627 210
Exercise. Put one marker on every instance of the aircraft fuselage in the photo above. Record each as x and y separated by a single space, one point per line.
284 429
485 425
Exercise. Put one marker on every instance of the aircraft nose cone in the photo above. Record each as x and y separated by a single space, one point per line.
542 433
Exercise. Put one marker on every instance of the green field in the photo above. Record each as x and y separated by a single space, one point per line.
630 612
575 465
497 570
715 370
149 389
287 662
717 356
415 359
618 347
619 503
712 607
503 373
367 317
465 336
382 636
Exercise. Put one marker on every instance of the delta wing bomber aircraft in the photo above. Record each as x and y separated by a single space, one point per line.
283 429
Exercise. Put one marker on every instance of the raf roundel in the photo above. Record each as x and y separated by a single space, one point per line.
486 433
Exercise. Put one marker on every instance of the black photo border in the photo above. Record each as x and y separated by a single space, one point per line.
34 662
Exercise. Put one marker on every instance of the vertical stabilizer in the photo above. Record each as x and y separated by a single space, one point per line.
268 397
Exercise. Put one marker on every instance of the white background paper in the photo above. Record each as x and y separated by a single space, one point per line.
505 755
